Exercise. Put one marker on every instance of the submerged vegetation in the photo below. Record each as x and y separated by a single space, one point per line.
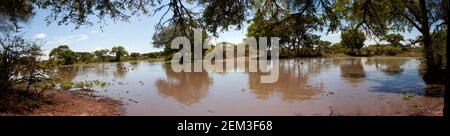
83 85
408 96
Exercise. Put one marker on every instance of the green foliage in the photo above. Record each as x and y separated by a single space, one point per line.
376 49
78 12
408 96
324 46
439 40
14 12
310 52
337 48
20 65
164 37
101 54
152 54
66 86
135 55
353 39
119 51
64 54
84 56
392 51
82 85
232 13
295 33
394 39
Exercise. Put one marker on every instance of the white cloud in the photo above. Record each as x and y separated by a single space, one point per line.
68 39
94 31
45 55
81 37
40 36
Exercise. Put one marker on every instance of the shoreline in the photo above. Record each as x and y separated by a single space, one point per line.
61 103
163 60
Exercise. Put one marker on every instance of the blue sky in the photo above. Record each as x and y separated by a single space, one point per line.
135 35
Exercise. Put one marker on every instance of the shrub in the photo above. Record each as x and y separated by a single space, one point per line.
392 51
376 49
337 48
20 65
135 55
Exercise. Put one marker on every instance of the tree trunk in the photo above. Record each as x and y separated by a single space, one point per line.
447 73
434 71
118 58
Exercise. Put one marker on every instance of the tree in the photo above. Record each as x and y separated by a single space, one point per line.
135 55
119 51
164 37
262 28
20 64
14 12
378 17
447 73
337 48
394 39
324 46
101 54
84 56
64 54
352 39
398 15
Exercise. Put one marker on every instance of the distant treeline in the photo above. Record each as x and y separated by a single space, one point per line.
65 56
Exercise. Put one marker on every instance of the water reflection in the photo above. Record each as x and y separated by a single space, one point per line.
185 87
102 70
121 70
399 75
391 67
352 70
360 86
293 83
67 73
134 65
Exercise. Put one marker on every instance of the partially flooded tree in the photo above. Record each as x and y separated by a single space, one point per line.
63 54
101 54
135 55
353 39
119 51
84 56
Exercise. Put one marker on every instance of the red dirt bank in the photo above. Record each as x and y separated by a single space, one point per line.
69 104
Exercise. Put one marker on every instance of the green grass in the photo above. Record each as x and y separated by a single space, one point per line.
408 96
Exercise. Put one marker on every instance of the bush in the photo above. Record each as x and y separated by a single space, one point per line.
310 52
135 55
337 49
392 51
376 49
20 65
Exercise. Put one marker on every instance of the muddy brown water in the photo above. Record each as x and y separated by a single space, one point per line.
307 86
